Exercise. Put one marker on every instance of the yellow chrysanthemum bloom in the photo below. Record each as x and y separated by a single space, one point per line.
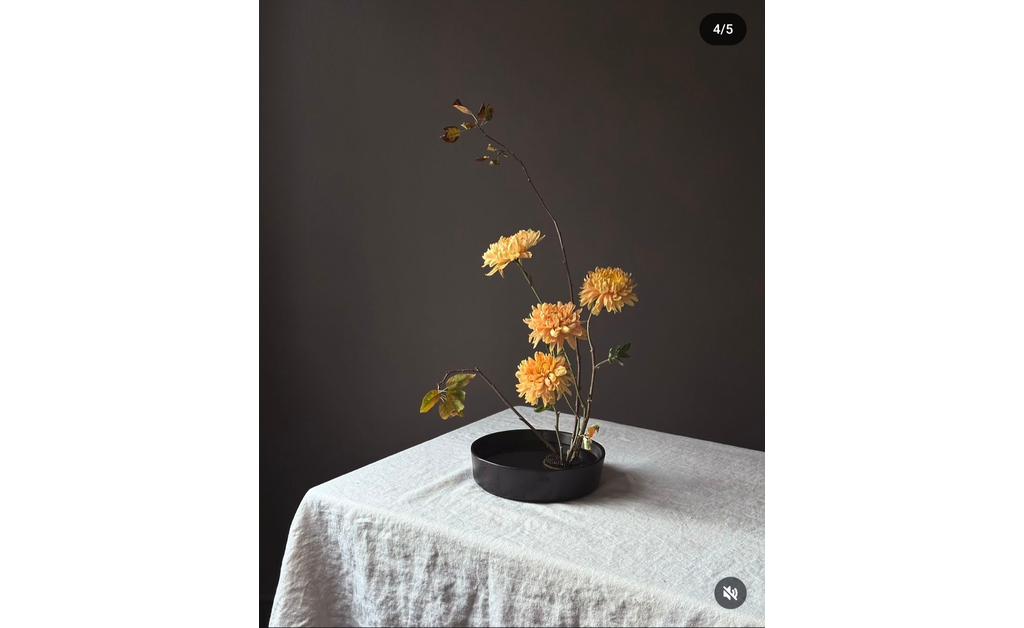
555 324
507 250
608 288
543 377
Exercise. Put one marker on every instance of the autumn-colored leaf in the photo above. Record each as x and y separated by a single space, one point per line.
469 125
492 149
429 400
451 134
494 162
459 380
446 408
458 105
486 113
484 158
592 430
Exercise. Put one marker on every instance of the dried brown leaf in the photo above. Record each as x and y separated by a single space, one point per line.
464 109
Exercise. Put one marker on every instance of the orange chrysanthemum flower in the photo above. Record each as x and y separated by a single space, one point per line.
555 324
507 250
608 288
543 377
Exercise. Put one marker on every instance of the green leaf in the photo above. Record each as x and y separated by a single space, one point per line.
486 113
618 354
429 400
542 408
458 394
460 380
451 134
457 403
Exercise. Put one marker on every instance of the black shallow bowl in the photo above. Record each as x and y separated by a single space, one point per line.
511 465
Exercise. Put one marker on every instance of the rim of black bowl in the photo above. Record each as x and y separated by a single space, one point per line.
593 443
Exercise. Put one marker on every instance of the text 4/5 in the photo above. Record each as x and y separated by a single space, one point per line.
723 29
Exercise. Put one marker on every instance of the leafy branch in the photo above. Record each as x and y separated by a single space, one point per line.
452 396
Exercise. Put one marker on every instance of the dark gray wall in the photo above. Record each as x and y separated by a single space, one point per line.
648 145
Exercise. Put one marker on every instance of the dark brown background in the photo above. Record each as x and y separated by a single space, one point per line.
648 145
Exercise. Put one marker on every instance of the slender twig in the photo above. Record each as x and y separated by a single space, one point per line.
577 438
573 373
558 437
441 386
529 280
565 260
579 400
593 376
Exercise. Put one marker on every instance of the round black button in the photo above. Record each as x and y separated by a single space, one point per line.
730 592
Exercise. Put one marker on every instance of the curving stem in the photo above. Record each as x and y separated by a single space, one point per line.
442 385
529 280
565 260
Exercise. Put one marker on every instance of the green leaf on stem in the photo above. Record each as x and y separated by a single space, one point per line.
429 400
457 403
619 353
455 382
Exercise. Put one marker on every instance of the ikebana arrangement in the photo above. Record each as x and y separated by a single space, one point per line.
553 374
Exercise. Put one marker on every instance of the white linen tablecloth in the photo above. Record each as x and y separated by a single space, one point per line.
412 540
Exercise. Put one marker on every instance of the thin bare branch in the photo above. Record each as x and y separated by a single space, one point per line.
565 260
441 386
529 280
